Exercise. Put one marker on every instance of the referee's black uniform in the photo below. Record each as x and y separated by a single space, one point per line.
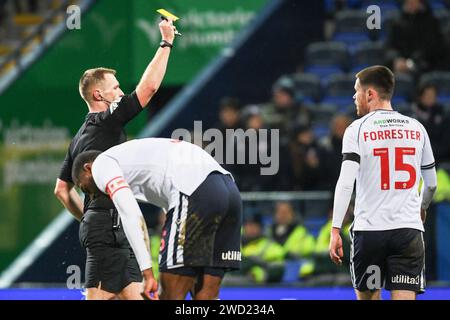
110 259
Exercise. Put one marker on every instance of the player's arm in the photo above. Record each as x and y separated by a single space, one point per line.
64 189
428 171
156 69
109 179
343 192
69 197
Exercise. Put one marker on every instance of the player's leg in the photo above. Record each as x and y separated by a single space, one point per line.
91 237
406 264
403 295
130 274
175 285
368 295
209 282
175 279
110 265
131 292
99 294
227 241
367 262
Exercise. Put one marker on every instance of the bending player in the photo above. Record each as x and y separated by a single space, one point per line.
387 153
202 233
111 268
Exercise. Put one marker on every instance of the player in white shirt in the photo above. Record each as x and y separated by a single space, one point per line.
201 236
386 153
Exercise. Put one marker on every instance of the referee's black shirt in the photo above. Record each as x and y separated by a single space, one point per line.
101 131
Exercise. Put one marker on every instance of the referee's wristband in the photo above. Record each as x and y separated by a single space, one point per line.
165 43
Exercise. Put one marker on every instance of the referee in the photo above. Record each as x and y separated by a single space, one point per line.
111 267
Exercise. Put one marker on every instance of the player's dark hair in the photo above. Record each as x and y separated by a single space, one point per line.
381 78
81 160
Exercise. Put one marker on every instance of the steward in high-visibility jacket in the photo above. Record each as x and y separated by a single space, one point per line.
262 258
295 239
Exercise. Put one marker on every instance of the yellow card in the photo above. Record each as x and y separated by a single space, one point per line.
167 14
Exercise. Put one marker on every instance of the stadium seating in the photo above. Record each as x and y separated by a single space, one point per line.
307 86
404 88
367 54
350 27
339 90
326 58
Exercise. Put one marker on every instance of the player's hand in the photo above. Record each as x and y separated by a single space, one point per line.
335 248
167 30
149 286
423 215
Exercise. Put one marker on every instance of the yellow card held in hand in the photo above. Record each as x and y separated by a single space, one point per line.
167 14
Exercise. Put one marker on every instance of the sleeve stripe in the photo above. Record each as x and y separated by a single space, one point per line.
351 156
430 166
112 194
112 181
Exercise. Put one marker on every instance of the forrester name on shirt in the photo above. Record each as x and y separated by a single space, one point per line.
392 134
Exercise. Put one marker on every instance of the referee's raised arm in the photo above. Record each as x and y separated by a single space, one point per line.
154 73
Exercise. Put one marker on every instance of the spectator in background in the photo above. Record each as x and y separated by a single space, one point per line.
416 39
331 146
262 258
432 115
284 112
229 114
308 170
294 238
248 176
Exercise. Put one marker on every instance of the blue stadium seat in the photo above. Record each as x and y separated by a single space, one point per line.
441 80
307 86
291 270
367 54
404 88
314 224
385 5
437 5
404 108
443 17
351 27
339 90
325 58
351 39
321 129
322 112
351 21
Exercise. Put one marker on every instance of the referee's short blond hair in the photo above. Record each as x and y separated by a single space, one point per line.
92 77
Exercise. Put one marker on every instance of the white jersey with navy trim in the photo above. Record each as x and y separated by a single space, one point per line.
156 169
392 149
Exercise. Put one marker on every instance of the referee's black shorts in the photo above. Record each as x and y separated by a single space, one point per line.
110 259
394 257
202 234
